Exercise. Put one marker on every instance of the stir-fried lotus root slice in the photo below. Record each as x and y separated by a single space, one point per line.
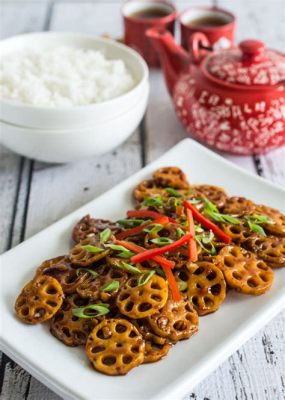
88 226
83 257
238 206
147 188
270 249
115 346
177 320
215 194
156 346
84 228
171 177
60 268
155 352
278 219
206 286
237 232
93 287
71 330
39 300
244 272
141 301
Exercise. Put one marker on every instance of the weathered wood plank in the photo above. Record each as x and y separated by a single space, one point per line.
56 190
61 189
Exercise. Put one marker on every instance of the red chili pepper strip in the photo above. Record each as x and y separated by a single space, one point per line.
207 223
172 283
134 231
160 250
138 249
146 214
192 246
161 261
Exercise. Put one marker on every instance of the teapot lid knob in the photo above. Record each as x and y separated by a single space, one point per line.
251 48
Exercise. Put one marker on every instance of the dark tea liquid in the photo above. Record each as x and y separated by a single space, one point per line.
150 13
208 20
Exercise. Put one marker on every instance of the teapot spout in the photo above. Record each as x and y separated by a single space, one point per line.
173 58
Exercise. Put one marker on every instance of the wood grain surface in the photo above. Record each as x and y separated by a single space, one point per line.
33 195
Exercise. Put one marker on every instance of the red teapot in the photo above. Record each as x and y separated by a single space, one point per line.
232 100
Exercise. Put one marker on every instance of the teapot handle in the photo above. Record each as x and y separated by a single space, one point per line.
199 46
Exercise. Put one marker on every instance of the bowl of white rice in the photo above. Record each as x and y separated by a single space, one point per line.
55 83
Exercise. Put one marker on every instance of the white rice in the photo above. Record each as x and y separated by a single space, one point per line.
62 76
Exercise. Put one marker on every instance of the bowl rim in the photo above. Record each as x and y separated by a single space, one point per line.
79 35
43 131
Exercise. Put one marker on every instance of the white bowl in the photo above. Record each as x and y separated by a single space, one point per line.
77 116
67 145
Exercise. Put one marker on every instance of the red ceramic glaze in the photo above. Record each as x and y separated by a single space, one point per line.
136 27
221 36
232 100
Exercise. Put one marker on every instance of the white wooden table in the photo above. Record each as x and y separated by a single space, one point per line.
33 195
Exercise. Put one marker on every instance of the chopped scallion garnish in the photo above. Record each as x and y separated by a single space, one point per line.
84 270
91 311
145 277
92 249
105 235
110 286
161 241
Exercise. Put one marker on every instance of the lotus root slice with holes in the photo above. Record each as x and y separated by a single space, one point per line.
141 301
238 206
81 257
39 300
172 177
244 272
278 219
237 232
147 188
206 287
61 269
270 249
155 352
69 329
215 194
91 287
177 320
115 346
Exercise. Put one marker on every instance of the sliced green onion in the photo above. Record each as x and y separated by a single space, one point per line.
207 239
180 233
90 271
160 272
153 228
256 228
173 192
131 223
92 249
124 253
105 235
110 286
259 219
91 311
145 277
161 241
231 219
211 210
128 267
194 201
155 201
182 285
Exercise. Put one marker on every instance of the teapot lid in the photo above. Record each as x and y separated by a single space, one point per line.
250 64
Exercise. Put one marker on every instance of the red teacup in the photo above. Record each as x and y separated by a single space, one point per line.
139 16
217 24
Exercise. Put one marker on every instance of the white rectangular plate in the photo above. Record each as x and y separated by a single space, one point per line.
66 370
